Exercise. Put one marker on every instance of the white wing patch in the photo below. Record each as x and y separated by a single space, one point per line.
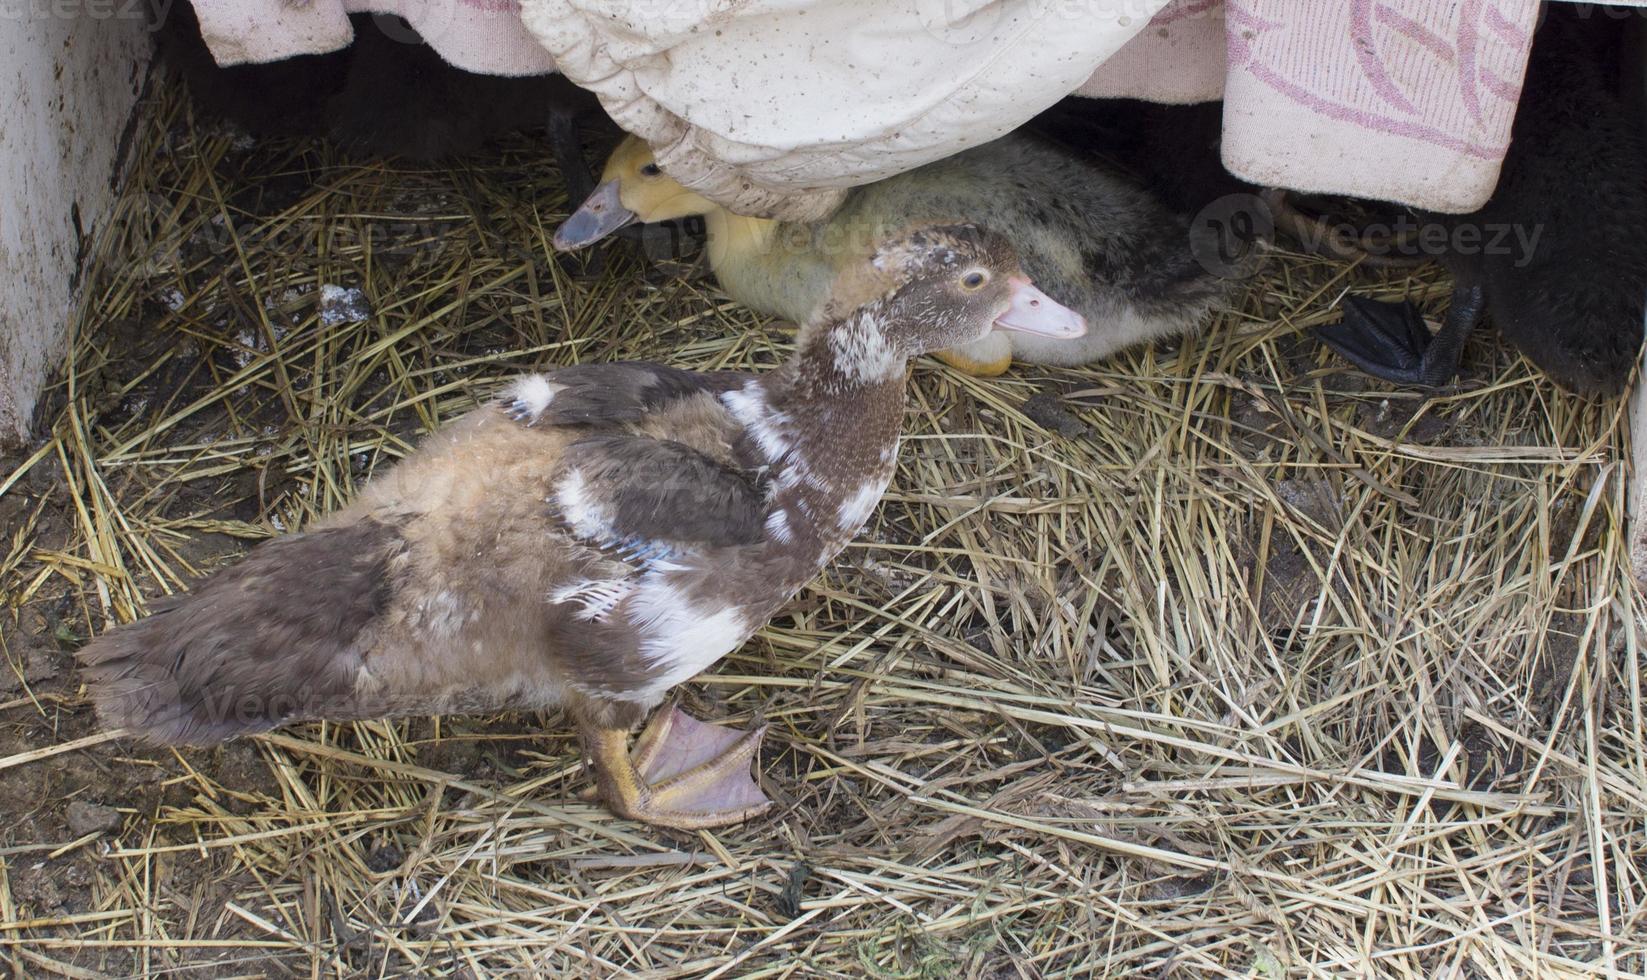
677 638
777 525
588 518
748 405
531 396
855 510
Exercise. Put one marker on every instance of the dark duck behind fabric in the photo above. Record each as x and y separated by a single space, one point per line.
1568 284
386 95
1171 149
595 537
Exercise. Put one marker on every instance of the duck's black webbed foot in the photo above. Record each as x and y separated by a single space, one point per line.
1390 341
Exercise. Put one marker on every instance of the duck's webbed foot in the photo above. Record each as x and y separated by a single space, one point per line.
1390 340
683 773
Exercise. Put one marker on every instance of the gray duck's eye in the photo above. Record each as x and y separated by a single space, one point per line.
651 170
973 280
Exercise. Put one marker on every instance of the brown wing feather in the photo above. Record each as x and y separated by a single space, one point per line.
658 490
595 394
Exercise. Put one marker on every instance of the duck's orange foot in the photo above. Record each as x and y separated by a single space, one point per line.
987 366
683 773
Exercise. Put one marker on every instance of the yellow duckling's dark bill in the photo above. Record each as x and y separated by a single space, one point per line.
1033 311
599 216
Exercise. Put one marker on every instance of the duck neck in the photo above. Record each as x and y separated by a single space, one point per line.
772 267
846 359
735 239
842 399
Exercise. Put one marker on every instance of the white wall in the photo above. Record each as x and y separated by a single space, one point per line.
70 71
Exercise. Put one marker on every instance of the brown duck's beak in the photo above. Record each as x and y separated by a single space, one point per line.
1033 311
600 215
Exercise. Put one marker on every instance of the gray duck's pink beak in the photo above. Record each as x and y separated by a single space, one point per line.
1033 311
599 216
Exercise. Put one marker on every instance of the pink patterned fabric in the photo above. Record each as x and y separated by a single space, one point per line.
1406 100
1409 101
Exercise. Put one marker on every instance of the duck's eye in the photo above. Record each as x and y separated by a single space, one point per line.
651 170
973 280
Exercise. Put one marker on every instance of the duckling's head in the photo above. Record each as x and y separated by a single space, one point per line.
930 289
632 188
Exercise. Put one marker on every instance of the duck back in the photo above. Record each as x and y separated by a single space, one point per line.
424 596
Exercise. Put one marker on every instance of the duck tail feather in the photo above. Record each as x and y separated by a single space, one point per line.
273 638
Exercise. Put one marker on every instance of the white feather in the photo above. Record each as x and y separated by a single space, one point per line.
595 598
534 393
855 510
677 638
768 427
442 612
862 351
589 520
777 525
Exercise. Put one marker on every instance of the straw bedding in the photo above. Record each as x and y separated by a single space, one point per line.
1213 659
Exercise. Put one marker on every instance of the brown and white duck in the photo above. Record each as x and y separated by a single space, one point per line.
1094 239
593 538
